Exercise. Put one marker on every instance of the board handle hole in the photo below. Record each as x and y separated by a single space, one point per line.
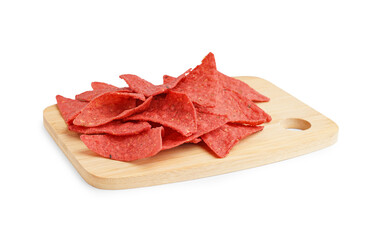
295 124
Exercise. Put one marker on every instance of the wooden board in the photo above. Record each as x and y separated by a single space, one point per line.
275 143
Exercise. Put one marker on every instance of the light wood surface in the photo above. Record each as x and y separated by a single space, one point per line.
275 143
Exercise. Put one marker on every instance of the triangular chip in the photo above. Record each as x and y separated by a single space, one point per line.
108 107
206 122
142 86
208 65
241 88
90 95
201 88
173 110
202 84
255 114
125 148
102 85
223 139
69 108
117 128
237 109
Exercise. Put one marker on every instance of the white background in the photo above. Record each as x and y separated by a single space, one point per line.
322 52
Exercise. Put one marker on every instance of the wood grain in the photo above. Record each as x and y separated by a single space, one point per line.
275 143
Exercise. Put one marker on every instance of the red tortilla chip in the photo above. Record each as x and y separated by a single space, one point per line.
102 85
117 128
173 110
208 65
238 109
142 86
108 107
206 122
69 108
241 88
168 79
202 84
125 148
201 88
223 139
89 95
254 113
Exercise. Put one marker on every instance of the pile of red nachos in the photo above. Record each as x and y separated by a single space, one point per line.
138 121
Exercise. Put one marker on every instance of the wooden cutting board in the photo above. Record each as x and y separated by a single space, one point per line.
278 141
